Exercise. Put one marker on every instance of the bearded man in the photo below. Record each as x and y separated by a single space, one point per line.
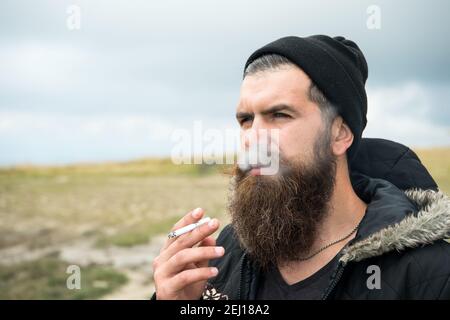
335 221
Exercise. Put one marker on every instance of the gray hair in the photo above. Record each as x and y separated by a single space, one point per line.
277 62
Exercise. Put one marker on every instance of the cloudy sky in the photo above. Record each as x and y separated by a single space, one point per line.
119 86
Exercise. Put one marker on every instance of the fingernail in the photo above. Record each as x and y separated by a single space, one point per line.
214 271
212 223
219 250
196 212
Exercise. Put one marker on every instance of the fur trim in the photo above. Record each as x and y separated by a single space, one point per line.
431 223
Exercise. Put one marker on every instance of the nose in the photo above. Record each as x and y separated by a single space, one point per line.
252 135
259 133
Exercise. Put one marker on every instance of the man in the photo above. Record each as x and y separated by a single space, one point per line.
316 229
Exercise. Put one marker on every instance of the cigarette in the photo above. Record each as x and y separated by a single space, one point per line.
188 228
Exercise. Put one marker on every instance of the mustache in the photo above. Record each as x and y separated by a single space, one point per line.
283 168
259 155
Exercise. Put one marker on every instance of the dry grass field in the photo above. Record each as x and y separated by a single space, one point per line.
110 219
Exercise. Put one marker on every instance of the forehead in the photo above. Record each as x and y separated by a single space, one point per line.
289 85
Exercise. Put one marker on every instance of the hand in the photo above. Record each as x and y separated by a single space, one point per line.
181 269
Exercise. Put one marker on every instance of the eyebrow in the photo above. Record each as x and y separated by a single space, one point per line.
271 110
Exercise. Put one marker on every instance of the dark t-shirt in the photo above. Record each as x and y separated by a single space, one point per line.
273 287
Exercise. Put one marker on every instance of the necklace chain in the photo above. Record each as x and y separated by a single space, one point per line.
330 244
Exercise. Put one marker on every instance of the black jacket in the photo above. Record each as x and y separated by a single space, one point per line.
402 234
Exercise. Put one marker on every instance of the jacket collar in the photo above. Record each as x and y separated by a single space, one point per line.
396 220
386 205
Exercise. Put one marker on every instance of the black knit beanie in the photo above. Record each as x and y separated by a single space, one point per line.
338 68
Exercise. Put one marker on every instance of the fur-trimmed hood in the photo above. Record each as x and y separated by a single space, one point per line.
394 222
430 223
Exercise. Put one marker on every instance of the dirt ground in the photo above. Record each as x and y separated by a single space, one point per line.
118 220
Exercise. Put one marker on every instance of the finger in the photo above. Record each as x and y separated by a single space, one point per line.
207 242
189 239
187 277
191 217
181 259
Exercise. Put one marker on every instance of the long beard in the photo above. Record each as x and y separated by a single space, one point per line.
276 218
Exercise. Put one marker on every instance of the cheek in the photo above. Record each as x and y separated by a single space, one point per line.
296 143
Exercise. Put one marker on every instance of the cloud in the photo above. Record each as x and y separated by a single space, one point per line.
36 68
134 73
50 138
405 113
57 138
408 113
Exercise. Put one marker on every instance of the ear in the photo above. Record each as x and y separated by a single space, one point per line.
341 137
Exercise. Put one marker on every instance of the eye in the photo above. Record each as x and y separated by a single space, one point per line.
281 115
244 120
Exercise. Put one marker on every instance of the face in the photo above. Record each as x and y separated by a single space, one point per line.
276 218
279 100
